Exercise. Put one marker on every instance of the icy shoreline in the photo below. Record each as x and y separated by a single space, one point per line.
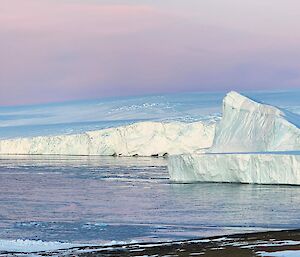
270 243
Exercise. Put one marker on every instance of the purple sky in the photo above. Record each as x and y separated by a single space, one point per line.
57 50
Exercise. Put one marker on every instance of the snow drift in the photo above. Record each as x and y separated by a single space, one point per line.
252 144
143 139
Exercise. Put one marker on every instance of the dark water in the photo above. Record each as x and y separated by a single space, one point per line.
100 199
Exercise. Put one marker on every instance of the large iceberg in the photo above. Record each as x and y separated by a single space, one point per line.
249 126
138 139
253 143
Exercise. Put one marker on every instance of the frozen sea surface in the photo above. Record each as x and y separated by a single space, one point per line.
74 117
84 200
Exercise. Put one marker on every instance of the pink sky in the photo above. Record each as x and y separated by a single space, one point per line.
54 50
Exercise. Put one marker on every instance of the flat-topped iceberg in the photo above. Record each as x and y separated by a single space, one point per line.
258 168
253 143
142 139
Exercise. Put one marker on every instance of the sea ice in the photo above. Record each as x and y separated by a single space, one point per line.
32 245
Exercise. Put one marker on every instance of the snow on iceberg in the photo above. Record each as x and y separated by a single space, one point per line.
143 139
249 126
253 143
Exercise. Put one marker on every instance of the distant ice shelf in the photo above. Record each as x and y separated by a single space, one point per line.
138 139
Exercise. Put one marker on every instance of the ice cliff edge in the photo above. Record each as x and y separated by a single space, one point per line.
250 126
137 139
253 143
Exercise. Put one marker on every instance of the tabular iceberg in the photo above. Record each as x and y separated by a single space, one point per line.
258 168
143 139
253 143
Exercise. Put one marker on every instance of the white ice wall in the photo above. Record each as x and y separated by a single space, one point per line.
248 126
144 139
245 147
257 168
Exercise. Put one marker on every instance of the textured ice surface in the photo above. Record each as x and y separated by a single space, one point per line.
249 126
253 143
143 139
258 168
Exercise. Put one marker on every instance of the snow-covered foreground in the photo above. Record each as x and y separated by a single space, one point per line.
38 246
28 246
253 143
265 244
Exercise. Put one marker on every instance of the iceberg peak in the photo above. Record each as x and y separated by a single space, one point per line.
250 126
234 100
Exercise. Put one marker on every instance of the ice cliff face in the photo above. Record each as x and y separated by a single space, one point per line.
143 139
246 147
248 126
258 168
